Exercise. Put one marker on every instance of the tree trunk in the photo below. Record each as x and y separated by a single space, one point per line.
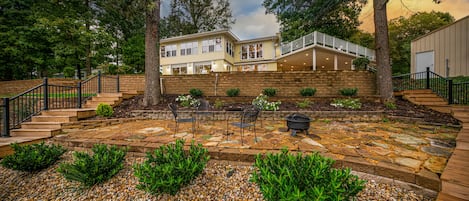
152 58
384 73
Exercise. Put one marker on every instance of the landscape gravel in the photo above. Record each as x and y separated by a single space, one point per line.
221 180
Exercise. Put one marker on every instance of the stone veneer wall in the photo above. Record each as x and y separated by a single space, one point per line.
19 86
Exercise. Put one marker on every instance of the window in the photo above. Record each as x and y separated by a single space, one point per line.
179 69
168 51
203 67
251 51
189 48
255 67
229 48
211 45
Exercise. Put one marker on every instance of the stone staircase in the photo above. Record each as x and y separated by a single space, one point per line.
455 177
427 98
112 99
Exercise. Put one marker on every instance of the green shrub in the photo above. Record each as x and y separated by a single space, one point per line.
262 103
390 105
347 103
308 91
303 104
169 167
188 101
93 169
284 176
69 71
232 92
269 91
218 104
104 110
196 92
32 158
348 91
361 63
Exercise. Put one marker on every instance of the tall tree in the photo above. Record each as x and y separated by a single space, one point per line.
384 74
403 30
192 16
300 17
152 59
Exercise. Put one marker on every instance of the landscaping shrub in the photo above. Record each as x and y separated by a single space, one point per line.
169 167
188 101
308 91
232 92
361 63
34 157
303 104
284 176
390 105
197 93
262 103
218 104
347 103
69 71
97 168
269 91
104 110
349 91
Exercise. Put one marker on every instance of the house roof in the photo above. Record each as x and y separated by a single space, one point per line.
441 28
199 35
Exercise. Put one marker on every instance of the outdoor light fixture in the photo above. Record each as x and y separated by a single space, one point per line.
306 54
327 58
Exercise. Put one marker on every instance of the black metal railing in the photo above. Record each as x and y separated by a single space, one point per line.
22 107
454 93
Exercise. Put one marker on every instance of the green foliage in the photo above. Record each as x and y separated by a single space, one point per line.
69 71
134 53
361 63
390 105
93 169
104 110
188 17
187 101
298 18
218 104
303 104
308 91
460 79
32 158
232 92
348 91
284 176
262 103
347 103
403 30
169 167
269 91
196 92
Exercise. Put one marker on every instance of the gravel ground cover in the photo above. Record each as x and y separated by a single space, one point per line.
221 180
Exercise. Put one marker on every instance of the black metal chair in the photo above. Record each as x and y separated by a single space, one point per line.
248 119
177 119
202 110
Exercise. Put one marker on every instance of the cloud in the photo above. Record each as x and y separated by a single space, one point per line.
255 24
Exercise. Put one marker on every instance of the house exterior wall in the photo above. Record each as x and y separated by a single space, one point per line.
450 42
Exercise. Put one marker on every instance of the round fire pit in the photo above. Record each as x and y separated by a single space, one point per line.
298 122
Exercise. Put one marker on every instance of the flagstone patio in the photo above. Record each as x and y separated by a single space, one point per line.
409 149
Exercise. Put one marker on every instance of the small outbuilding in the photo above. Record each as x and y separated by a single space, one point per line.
445 51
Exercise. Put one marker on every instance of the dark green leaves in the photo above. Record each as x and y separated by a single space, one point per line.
33 157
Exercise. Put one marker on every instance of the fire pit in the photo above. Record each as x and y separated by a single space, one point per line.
298 122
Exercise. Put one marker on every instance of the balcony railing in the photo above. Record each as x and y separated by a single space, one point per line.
318 38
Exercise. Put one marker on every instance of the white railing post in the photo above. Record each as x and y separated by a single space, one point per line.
304 40
315 39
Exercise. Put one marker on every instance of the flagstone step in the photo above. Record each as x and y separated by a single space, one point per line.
455 178
446 197
41 125
22 132
441 108
44 118
417 91
81 113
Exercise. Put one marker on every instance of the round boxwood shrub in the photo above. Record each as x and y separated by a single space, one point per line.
232 92
104 110
196 92
308 91
348 91
269 91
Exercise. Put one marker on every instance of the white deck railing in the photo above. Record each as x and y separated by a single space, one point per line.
318 38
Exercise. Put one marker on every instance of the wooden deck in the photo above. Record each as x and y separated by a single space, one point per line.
455 178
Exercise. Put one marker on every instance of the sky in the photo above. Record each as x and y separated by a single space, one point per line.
252 22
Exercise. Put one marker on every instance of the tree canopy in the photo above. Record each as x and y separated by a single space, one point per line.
403 30
297 18
193 16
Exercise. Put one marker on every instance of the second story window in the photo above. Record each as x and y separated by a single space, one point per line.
229 48
251 51
211 45
189 48
168 51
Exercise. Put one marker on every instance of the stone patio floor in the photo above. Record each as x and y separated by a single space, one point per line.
413 147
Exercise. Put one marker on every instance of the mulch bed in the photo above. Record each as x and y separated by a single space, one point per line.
404 108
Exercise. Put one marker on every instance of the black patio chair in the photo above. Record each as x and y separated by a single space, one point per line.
248 119
202 110
177 119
